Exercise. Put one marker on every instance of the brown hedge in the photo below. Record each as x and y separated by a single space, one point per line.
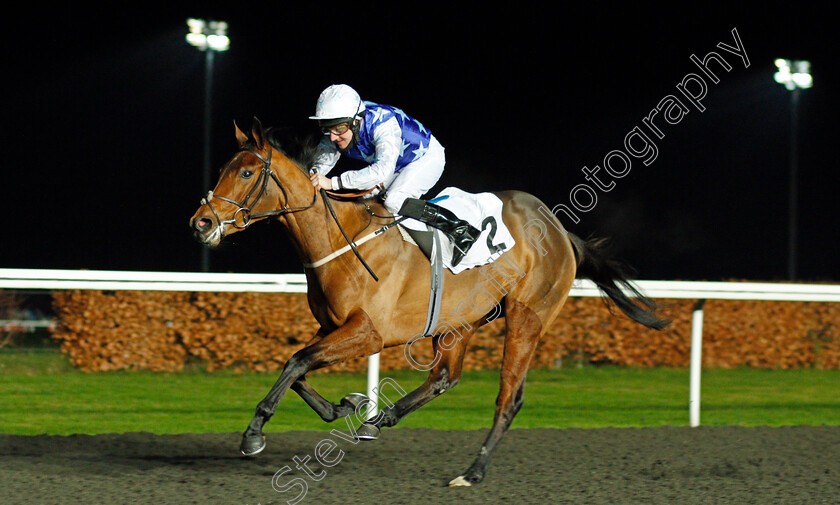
163 331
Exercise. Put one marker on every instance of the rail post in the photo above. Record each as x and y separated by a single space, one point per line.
372 383
696 363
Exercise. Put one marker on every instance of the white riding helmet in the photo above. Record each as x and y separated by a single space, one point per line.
338 101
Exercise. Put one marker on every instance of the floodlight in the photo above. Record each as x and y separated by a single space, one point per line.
794 74
204 35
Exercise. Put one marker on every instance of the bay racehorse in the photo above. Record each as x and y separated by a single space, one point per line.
360 315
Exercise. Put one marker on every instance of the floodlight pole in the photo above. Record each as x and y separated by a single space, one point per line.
208 116
795 76
208 37
205 179
793 184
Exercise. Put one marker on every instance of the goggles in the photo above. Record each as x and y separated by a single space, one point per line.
339 129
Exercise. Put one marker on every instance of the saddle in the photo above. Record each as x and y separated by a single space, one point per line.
481 210
422 239
484 212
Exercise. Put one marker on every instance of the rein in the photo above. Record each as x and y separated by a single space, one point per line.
349 242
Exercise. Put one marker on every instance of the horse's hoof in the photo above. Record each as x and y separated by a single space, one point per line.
459 481
470 478
353 400
367 432
252 444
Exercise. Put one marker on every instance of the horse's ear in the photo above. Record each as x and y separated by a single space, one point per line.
241 138
257 133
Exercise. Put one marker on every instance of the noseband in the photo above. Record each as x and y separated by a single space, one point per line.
244 207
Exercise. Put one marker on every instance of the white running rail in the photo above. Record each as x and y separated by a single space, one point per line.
296 283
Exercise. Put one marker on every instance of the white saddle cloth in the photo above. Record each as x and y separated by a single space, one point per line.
482 210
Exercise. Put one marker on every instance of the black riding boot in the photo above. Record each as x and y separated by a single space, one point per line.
461 232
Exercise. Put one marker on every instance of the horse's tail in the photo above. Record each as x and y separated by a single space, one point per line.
611 277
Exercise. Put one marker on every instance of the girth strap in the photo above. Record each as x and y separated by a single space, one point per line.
436 289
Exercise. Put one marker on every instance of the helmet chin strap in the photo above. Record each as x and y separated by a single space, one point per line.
356 125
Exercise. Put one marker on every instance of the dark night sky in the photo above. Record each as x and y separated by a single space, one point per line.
103 126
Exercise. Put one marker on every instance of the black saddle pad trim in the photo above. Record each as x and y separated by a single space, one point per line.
423 239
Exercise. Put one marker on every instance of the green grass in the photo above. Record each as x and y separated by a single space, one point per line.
41 393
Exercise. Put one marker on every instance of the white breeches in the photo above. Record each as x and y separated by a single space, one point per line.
415 179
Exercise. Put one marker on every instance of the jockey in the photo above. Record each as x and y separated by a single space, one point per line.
402 154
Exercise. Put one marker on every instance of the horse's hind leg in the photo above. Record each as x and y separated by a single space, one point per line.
523 333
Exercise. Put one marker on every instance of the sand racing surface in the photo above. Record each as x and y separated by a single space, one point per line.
710 465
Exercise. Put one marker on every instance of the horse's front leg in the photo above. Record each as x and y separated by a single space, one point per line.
328 411
355 338
443 376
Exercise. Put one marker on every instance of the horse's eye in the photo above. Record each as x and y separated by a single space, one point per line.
246 174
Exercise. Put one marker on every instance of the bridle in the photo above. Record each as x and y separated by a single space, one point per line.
244 209
260 185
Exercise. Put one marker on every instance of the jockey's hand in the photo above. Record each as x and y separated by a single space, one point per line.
320 181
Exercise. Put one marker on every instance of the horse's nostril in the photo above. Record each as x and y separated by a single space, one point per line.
202 224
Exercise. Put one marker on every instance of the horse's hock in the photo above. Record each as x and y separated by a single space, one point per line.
102 330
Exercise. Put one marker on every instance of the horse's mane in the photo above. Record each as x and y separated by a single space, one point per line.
298 144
